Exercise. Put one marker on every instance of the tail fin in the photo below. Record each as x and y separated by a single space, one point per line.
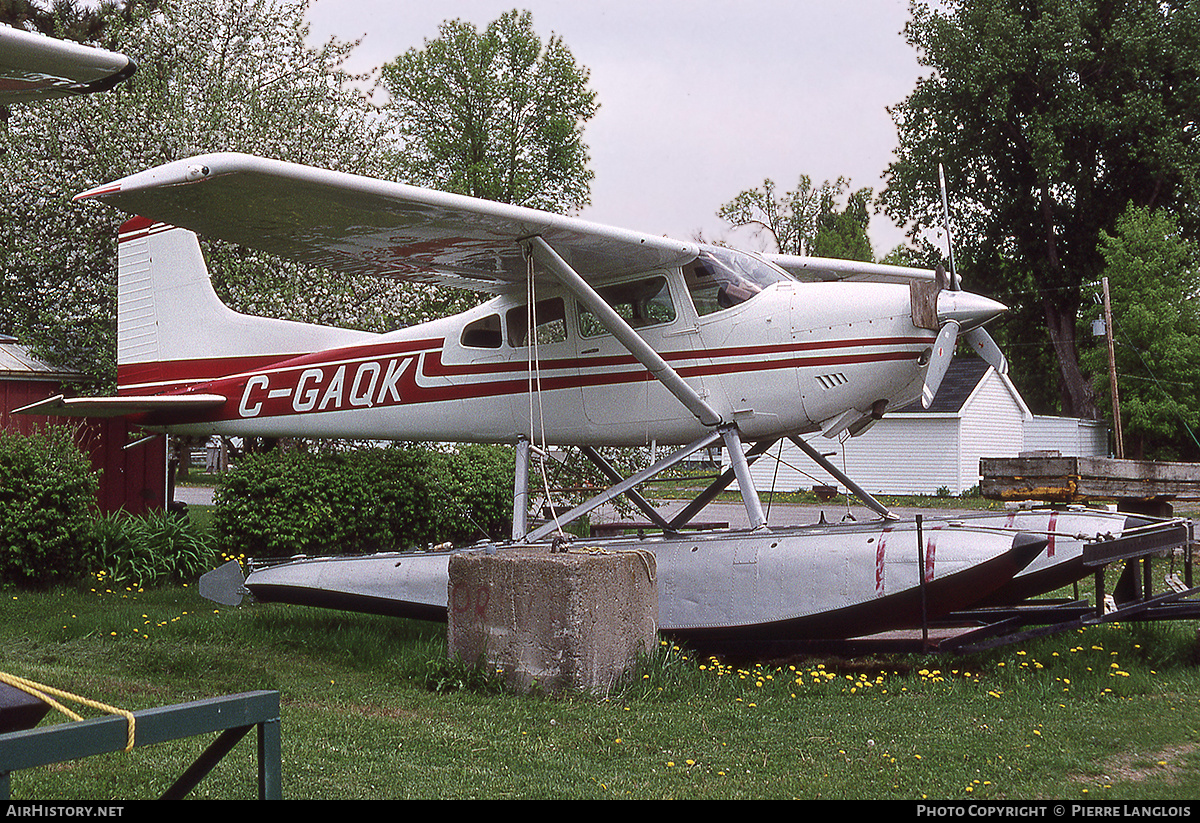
173 328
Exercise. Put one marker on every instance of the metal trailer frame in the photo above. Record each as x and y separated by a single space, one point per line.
231 715
988 628
1133 597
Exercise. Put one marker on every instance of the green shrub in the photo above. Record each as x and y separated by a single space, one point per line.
373 499
475 489
47 489
155 549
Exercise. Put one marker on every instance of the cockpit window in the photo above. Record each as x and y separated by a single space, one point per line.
483 333
722 278
641 303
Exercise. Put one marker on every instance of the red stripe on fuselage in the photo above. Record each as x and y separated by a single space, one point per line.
174 374
406 372
436 368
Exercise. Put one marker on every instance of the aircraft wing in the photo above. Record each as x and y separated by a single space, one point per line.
361 225
34 67
60 406
827 268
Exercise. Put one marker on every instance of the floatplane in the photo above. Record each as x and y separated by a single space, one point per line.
594 336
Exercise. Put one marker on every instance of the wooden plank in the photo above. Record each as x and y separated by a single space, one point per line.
1077 479
1138 544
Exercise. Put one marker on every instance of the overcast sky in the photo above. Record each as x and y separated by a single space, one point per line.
699 99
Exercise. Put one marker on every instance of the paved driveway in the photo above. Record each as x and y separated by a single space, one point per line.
733 513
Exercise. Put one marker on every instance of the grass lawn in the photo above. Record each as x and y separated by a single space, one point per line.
371 709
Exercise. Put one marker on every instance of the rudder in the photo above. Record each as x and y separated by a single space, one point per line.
172 327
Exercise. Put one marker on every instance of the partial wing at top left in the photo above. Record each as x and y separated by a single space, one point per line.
36 67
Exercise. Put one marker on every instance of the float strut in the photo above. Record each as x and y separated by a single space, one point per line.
520 521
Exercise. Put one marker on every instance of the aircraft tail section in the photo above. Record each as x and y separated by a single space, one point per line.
172 328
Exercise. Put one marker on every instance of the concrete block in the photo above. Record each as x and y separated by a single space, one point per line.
553 622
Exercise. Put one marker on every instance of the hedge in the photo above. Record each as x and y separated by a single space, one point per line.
47 490
363 500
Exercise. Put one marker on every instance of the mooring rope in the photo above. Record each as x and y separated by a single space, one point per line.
643 554
535 388
43 693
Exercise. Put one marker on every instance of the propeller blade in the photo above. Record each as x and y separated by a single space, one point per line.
955 283
943 351
973 312
982 343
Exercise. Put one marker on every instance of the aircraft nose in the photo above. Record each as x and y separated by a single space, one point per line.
968 310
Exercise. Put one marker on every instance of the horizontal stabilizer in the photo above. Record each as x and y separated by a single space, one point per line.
60 406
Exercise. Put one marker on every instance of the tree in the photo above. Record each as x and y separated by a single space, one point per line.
47 488
843 234
231 75
1050 118
77 20
806 220
1154 285
494 114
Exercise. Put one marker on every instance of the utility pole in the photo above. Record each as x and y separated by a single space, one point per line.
1118 437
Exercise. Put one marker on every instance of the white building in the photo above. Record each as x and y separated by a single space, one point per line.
977 413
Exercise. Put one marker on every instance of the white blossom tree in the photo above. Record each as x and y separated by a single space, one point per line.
213 75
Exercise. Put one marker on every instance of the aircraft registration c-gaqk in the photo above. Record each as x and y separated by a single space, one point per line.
595 336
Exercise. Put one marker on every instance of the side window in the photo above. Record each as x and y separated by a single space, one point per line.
550 316
640 303
483 333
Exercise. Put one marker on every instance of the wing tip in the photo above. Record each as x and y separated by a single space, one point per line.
98 191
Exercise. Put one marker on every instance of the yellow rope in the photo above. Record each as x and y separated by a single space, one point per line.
43 693
642 554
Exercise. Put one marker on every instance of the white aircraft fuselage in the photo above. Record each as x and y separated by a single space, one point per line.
595 336
787 358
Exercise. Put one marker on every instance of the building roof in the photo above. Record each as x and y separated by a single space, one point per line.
16 363
962 377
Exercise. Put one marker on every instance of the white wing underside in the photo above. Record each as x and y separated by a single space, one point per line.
364 226
35 67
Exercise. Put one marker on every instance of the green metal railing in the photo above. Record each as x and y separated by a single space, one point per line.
233 716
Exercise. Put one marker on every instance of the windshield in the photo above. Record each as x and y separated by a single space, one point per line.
722 278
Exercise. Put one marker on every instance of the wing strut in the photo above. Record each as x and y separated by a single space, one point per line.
871 503
645 354
621 330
